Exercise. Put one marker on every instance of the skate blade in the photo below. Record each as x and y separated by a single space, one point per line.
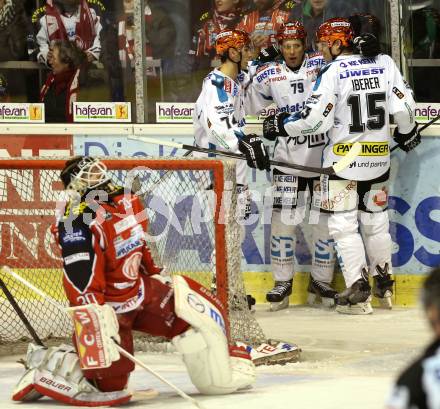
313 300
276 306
145 394
328 302
386 302
364 308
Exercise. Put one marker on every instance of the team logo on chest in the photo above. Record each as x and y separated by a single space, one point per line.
130 269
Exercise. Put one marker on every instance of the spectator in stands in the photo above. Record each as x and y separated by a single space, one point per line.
4 96
71 20
225 14
263 23
418 387
313 13
13 30
62 84
159 31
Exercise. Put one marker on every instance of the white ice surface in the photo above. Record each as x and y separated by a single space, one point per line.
347 362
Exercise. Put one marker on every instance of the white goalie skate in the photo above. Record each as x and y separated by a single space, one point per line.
355 300
279 295
318 290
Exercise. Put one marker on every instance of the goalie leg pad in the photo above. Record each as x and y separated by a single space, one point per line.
55 372
212 367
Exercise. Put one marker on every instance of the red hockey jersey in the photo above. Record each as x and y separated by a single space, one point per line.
104 251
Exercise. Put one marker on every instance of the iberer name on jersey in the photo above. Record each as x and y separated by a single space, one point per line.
365 83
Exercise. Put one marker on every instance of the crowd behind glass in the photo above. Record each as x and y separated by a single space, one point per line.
59 51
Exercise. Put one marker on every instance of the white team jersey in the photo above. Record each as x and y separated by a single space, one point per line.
276 82
352 99
219 117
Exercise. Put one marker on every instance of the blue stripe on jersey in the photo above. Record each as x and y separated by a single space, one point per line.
211 146
319 78
239 134
292 118
219 82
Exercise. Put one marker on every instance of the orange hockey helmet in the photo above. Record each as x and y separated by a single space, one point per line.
293 30
227 39
335 29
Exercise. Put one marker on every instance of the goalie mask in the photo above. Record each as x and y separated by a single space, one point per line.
83 173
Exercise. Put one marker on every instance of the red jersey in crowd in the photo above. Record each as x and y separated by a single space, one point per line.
268 22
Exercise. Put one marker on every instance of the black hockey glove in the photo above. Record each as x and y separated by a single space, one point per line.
268 54
256 153
367 44
273 126
408 141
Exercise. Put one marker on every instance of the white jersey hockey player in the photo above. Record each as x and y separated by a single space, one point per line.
287 83
219 115
352 100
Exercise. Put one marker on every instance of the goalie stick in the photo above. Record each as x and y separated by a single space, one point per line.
331 170
21 314
121 350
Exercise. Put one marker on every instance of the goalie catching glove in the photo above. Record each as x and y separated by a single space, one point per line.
256 153
273 126
407 142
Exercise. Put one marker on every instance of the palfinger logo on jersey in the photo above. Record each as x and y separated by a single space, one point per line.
368 149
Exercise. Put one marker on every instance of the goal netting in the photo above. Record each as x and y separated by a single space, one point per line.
193 230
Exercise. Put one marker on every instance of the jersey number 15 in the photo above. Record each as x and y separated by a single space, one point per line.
376 114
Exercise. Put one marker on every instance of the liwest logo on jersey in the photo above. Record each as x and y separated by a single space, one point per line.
368 148
361 72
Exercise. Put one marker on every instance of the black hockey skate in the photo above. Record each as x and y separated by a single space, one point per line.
355 300
324 291
383 286
279 295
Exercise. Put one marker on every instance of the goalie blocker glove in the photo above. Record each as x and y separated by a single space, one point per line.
407 142
256 153
273 126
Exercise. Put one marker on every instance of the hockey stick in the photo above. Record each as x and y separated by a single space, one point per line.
20 313
121 350
420 130
331 170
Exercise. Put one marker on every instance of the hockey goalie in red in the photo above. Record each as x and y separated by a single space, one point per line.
107 263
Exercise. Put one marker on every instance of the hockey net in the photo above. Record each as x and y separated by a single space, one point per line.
193 230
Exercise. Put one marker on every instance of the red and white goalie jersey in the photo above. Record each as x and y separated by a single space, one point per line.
276 83
104 249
